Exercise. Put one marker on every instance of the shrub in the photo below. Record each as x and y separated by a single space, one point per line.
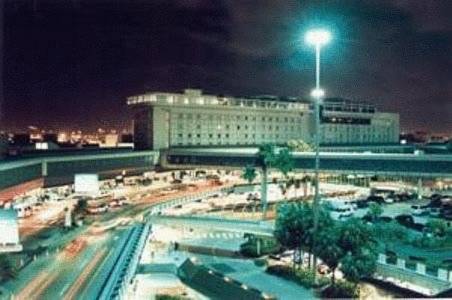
342 289
427 242
281 271
260 262
304 277
169 297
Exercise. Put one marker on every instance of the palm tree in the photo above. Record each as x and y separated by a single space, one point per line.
249 174
7 270
297 185
266 157
290 183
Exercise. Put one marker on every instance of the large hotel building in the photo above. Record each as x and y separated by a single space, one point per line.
164 120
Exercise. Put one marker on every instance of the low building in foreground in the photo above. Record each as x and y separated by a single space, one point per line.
9 228
164 120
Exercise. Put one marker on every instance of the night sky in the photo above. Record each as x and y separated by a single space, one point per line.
70 63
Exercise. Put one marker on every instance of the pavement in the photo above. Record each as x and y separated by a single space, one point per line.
158 250
245 271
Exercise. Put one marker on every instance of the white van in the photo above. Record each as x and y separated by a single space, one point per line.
339 209
418 210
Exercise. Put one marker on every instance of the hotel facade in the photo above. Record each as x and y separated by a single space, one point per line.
166 120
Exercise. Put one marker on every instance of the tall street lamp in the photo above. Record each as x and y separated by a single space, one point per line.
317 38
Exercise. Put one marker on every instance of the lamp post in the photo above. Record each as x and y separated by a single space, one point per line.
317 38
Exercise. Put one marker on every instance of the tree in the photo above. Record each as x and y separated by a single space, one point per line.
437 228
328 249
284 161
349 246
80 206
249 174
293 223
294 226
297 185
358 265
374 211
266 158
359 245
7 270
354 236
289 183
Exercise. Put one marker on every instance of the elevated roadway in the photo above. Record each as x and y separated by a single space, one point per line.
405 165
60 168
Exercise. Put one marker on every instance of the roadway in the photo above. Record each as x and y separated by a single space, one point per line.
422 165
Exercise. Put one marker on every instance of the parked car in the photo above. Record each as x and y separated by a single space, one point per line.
340 210
389 199
436 202
445 212
447 216
408 221
402 197
362 204
404 219
436 197
419 210
378 199
435 211
385 219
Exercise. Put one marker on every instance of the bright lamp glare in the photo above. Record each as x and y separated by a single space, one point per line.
318 37
317 93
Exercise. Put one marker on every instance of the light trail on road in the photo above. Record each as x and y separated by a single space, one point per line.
84 276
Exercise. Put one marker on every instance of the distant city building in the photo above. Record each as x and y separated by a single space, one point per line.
63 137
110 140
163 120
50 137
126 138
21 139
3 145
46 146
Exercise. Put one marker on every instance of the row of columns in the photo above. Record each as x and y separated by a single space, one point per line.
421 268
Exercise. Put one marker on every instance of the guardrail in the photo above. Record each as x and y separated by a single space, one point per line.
125 264
157 208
